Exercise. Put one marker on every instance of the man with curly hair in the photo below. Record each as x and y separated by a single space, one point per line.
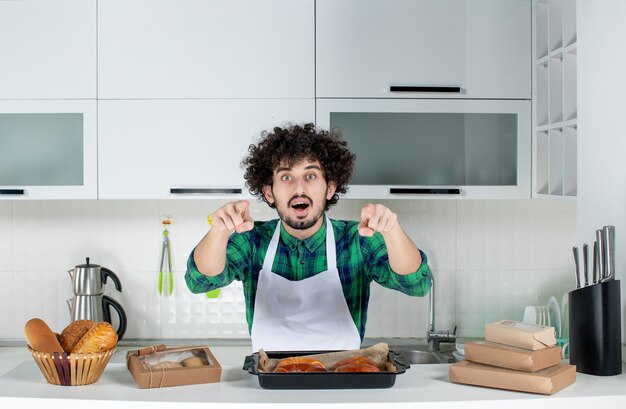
306 278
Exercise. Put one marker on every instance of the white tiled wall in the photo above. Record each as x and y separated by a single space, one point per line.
490 258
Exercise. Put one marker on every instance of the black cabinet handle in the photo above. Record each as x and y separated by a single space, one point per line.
407 88
11 191
210 191
421 191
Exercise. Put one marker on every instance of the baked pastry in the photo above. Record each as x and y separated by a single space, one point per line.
299 360
74 332
357 368
300 367
167 365
194 361
40 337
100 338
355 360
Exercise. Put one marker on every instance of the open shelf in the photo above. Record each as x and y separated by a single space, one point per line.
541 29
556 88
568 9
555 98
555 156
569 86
555 23
569 161
542 162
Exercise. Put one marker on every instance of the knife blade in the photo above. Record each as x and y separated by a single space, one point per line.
601 255
608 234
577 266
586 263
595 263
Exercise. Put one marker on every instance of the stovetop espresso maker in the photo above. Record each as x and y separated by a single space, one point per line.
89 301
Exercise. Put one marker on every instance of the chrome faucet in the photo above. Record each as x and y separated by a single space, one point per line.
433 336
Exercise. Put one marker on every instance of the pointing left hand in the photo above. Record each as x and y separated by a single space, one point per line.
376 218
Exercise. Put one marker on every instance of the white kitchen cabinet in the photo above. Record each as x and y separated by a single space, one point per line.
439 148
365 47
161 149
48 149
48 49
555 99
206 49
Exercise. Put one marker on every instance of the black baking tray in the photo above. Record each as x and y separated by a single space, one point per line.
323 380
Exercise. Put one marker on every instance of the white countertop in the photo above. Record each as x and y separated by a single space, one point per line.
21 384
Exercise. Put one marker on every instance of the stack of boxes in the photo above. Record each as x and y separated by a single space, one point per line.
515 356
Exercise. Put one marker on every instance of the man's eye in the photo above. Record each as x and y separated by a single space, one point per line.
310 177
285 178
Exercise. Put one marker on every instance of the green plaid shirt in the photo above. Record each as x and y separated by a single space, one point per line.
360 260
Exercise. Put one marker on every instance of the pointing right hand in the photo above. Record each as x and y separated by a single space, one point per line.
233 216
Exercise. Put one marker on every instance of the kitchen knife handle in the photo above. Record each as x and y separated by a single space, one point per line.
11 191
438 89
210 191
421 191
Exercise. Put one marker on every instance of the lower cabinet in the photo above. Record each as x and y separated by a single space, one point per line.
162 149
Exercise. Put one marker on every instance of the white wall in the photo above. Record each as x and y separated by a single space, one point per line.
602 125
490 259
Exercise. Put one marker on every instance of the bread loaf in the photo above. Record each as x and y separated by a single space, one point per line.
74 333
194 361
40 337
100 338
167 364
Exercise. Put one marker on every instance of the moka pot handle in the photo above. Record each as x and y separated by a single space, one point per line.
105 272
108 302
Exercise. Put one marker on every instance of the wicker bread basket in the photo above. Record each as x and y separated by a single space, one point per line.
71 369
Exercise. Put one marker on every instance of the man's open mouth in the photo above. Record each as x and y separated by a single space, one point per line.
300 206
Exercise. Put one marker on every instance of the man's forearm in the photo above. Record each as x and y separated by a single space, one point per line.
404 256
210 253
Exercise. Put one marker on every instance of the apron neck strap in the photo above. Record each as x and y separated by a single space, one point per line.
331 253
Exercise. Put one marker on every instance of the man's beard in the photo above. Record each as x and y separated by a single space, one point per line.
297 223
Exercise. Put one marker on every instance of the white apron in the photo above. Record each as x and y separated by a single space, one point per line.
306 315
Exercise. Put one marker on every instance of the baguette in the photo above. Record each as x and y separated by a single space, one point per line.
40 337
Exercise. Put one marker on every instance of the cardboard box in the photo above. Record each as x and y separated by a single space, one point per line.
546 382
150 376
519 334
505 356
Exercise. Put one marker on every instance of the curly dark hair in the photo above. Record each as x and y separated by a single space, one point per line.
293 144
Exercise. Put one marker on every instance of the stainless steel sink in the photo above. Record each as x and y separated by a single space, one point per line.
420 357
416 356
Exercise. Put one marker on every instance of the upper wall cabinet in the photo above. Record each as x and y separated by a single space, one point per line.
423 49
48 149
161 149
205 49
48 49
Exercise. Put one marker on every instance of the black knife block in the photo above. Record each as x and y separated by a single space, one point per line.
595 337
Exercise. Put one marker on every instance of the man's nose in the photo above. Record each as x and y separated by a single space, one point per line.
299 186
